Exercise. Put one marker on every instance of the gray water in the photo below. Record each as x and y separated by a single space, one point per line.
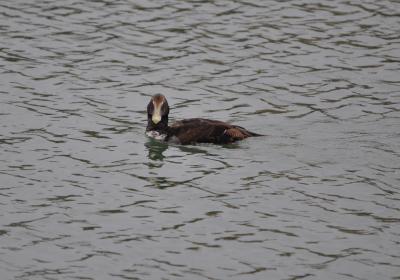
85 195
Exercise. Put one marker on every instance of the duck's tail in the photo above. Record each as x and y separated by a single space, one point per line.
248 133
253 134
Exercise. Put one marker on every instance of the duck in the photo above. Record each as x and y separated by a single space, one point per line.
189 131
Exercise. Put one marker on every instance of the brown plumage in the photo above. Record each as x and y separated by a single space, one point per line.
189 131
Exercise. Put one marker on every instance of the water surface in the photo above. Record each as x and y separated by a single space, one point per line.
85 195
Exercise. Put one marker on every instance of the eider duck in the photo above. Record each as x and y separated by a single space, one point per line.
189 131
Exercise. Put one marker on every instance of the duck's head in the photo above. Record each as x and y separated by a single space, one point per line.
157 113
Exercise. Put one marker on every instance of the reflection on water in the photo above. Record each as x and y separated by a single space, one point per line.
155 149
84 194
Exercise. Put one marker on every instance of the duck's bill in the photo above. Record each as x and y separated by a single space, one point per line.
156 118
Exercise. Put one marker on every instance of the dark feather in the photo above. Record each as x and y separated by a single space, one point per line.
207 131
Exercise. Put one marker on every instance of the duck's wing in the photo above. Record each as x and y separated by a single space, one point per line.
207 131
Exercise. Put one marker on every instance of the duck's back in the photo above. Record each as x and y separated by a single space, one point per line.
207 131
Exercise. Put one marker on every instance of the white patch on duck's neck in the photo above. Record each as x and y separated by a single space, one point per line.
156 135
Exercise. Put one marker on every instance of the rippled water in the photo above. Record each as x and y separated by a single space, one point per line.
85 195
